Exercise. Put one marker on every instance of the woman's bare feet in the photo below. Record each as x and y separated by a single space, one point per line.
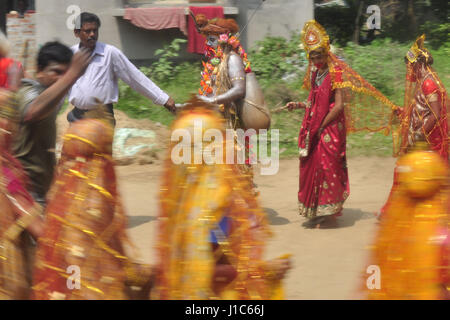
329 222
313 223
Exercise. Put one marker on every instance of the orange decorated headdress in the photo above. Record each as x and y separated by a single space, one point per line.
215 26
227 30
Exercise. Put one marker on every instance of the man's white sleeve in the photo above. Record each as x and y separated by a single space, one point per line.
132 76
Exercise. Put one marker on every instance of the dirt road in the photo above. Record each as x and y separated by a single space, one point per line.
328 263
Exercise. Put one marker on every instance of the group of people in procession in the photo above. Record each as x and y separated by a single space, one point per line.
412 244
211 229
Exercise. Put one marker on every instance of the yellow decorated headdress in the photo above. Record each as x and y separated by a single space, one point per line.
417 49
359 96
314 37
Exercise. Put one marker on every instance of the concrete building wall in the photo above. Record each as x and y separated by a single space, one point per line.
138 44
52 17
275 17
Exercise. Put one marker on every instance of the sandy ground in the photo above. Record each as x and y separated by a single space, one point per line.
328 263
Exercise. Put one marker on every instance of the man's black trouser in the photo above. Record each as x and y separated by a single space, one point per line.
78 114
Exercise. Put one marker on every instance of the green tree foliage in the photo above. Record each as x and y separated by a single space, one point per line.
180 80
275 58
401 20
437 34
381 64
165 68
280 65
338 20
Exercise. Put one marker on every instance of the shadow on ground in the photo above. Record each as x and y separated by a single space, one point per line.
272 216
348 219
350 216
134 221
274 219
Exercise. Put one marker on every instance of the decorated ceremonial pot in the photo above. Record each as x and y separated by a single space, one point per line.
422 173
253 109
86 137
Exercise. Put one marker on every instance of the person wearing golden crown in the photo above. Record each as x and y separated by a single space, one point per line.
340 101
424 114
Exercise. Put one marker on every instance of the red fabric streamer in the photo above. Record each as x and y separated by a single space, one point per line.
157 18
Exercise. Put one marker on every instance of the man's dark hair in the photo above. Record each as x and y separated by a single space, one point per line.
85 17
53 52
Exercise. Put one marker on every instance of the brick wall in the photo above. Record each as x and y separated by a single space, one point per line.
22 31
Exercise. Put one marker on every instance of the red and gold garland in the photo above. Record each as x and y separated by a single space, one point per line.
215 57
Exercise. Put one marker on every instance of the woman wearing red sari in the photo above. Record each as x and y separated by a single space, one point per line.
424 115
324 184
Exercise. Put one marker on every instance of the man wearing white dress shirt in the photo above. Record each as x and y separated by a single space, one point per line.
100 80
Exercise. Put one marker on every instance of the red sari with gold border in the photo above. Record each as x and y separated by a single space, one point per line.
324 184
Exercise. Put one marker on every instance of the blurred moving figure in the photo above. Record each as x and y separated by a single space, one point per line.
18 211
85 223
38 102
212 231
424 115
413 242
